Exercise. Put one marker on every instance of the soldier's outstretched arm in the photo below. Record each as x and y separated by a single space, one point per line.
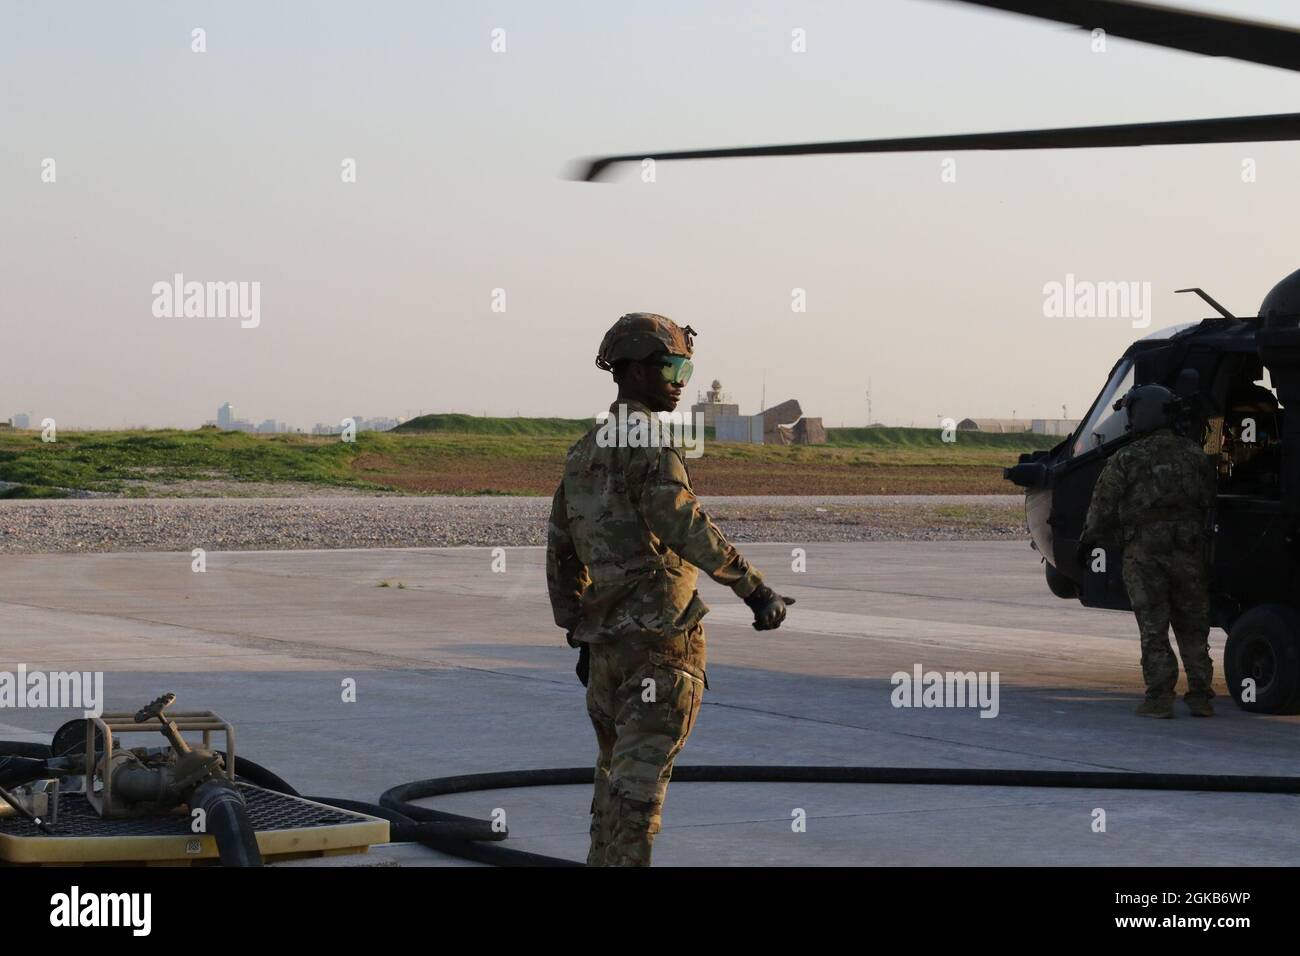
674 514
566 575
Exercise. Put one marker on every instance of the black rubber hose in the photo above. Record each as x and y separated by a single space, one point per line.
16 771
396 797
23 748
227 820
403 829
256 774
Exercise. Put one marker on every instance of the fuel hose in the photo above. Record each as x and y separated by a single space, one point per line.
398 797
228 822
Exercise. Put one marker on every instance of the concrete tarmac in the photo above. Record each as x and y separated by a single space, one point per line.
458 668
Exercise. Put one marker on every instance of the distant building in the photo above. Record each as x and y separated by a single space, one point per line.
785 424
225 415
806 431
21 420
714 404
782 424
1038 426
1061 427
744 428
363 425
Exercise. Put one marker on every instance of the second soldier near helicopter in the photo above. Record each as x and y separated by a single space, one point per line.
626 536
1154 497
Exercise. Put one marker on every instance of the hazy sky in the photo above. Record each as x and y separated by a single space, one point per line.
376 296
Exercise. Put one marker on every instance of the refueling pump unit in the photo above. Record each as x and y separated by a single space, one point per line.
188 789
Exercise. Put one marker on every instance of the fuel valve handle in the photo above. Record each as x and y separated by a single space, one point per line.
170 784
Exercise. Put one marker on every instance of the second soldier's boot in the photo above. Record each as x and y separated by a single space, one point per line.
1199 706
1156 707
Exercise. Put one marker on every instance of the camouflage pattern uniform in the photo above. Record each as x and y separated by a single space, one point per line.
625 538
1155 496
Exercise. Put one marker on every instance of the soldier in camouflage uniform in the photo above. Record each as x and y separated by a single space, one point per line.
1155 496
626 535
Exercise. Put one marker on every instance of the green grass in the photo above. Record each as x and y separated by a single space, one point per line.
110 461
477 425
925 446
931 438
894 438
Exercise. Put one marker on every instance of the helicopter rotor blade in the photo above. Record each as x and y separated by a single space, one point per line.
1233 129
1206 33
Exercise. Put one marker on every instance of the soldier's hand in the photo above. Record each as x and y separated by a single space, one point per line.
768 608
1083 553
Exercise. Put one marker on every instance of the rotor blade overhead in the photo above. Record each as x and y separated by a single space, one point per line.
1267 43
1233 129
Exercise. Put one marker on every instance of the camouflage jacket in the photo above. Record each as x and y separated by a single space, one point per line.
626 535
1159 479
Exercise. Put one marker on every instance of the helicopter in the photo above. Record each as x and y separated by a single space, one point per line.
1214 367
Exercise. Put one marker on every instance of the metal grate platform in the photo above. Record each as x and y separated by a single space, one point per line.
286 827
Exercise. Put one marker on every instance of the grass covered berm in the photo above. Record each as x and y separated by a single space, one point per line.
463 454
456 423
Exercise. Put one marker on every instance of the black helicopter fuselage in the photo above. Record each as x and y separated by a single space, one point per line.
1254 558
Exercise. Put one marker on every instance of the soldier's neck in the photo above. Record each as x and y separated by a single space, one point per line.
626 399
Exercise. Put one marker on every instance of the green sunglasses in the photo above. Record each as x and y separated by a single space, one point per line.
676 369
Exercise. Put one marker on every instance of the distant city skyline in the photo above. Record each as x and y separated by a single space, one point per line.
227 419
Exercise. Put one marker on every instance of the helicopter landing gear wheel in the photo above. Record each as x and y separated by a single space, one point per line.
1263 656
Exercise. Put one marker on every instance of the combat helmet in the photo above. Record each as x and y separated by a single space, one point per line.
639 335
1149 407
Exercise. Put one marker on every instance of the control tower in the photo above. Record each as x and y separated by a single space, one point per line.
713 403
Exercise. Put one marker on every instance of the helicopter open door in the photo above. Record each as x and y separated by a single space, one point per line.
1244 438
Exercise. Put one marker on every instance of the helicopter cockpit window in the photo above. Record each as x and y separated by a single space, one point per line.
1105 424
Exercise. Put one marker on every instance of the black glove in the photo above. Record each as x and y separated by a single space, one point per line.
768 608
1083 554
583 670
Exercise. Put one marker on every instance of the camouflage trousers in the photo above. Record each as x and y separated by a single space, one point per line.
1167 583
643 700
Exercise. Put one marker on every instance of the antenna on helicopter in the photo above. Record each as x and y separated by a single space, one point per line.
1214 305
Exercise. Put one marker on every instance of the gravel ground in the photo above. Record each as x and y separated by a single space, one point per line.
225 524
